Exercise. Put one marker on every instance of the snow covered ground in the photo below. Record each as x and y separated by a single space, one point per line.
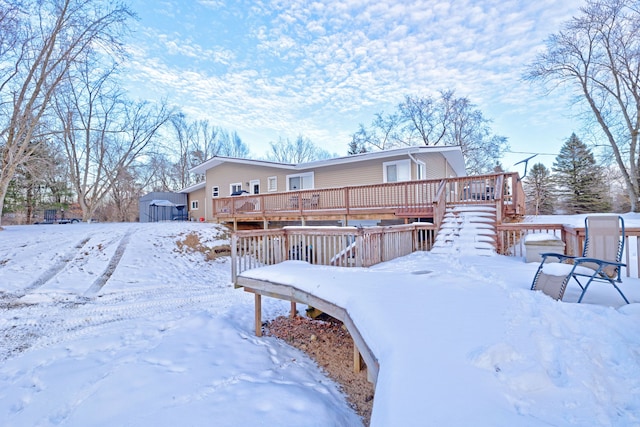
114 324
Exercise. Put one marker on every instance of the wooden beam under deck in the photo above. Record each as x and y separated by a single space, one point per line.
293 294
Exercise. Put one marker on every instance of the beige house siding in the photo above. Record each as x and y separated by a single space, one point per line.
436 166
360 173
200 197
356 173
371 171
226 174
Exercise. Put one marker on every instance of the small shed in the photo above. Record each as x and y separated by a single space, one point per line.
163 206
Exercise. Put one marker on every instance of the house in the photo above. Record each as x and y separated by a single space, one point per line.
195 199
299 186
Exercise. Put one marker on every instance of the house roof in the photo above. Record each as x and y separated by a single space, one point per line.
193 187
453 154
218 160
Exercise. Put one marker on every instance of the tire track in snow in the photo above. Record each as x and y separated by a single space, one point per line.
111 267
56 268
38 326
33 327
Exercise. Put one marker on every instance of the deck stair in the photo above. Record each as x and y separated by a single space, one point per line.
467 229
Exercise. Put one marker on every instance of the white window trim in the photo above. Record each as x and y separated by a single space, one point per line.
215 189
301 175
252 183
236 184
422 165
275 183
194 205
406 163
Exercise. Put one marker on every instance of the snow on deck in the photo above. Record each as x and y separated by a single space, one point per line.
458 342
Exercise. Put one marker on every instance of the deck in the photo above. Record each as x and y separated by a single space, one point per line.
400 200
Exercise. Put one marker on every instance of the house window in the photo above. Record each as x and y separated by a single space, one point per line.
194 205
400 170
421 172
235 187
272 183
254 186
215 191
301 181
392 173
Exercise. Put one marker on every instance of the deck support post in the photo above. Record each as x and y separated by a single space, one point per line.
294 309
258 314
357 359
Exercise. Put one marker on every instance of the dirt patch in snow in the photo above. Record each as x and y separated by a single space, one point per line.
328 343
191 243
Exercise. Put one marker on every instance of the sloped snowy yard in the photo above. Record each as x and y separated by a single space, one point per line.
166 341
112 324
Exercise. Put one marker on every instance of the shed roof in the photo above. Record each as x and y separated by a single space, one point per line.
164 203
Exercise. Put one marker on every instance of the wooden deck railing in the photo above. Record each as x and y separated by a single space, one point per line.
339 246
511 242
510 239
363 247
404 199
504 189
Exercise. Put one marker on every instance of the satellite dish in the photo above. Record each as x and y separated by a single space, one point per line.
526 163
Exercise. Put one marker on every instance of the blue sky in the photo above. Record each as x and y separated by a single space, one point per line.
282 68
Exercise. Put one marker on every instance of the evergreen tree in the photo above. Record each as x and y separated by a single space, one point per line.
538 188
579 180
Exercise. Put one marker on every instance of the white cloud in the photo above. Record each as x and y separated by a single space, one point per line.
278 66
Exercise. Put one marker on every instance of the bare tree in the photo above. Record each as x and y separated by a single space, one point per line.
382 134
103 133
299 151
196 142
445 120
205 142
42 40
426 119
231 145
184 137
124 196
597 55
467 127
157 173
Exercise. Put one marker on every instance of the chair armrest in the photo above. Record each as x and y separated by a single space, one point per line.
561 257
580 260
611 269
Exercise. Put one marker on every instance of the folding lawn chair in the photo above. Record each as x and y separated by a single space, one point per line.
600 260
